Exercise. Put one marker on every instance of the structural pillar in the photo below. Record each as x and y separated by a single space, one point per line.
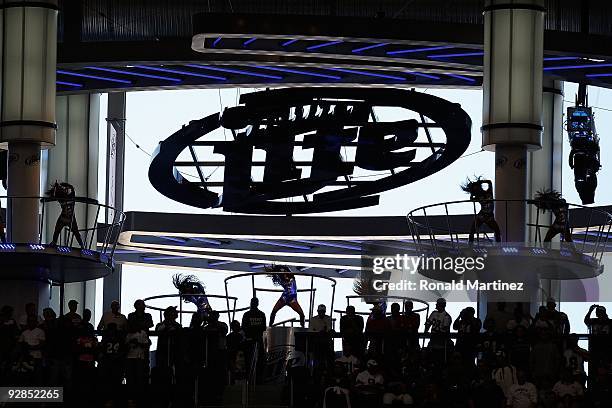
28 37
546 168
115 164
512 111
512 102
75 160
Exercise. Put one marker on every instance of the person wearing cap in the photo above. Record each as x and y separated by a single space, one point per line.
139 317
369 385
113 316
321 323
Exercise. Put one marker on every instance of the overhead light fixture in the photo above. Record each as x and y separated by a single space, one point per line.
463 78
369 47
584 66
458 55
235 71
420 74
289 42
69 84
414 50
366 73
323 45
97 77
299 72
138 74
181 72
278 244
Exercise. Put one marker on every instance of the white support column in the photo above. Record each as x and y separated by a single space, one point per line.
512 101
115 165
512 107
28 40
545 166
75 160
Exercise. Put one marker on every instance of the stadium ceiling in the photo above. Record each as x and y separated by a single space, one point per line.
328 246
112 47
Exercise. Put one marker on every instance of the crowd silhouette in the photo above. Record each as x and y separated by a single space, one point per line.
510 359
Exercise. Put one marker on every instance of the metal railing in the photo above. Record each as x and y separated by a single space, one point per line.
63 219
255 289
447 226
181 312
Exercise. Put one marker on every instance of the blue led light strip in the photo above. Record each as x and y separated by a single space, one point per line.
279 244
464 78
413 50
138 74
249 41
598 75
299 72
576 67
330 244
217 40
420 74
369 47
365 73
181 72
69 84
206 240
218 263
100 78
235 71
162 258
464 54
175 239
327 44
289 42
559 58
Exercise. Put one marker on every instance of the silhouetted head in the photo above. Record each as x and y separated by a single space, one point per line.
72 305
235 326
254 303
600 312
139 305
350 310
395 309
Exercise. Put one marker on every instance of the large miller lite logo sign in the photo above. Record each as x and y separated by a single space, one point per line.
340 129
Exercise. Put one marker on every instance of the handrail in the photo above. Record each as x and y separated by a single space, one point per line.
99 237
181 296
254 288
527 201
594 225
294 320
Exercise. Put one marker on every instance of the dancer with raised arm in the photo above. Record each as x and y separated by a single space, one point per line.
281 276
552 200
481 191
64 193
193 291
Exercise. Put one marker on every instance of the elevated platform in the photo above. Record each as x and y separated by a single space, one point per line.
58 264
64 258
